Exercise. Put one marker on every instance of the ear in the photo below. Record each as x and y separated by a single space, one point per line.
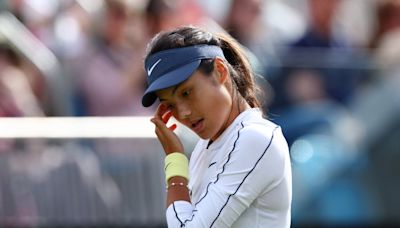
221 70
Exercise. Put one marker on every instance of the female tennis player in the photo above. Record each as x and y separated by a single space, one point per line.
239 173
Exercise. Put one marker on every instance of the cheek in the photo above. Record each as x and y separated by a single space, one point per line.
218 106
175 115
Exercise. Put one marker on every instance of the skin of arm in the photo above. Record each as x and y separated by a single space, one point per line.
171 143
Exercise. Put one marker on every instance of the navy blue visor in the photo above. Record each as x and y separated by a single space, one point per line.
171 67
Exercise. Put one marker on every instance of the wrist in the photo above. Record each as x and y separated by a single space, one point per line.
176 165
177 182
177 179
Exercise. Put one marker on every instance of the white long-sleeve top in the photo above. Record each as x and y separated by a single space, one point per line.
243 179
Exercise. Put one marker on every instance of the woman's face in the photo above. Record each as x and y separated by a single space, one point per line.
202 103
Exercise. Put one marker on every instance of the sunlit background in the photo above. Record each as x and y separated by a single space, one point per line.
71 75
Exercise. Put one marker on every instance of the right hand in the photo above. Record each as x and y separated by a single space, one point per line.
169 140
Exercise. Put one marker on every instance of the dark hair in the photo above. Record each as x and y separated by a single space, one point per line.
238 65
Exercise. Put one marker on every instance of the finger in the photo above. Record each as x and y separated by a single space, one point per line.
173 127
166 116
163 134
161 109
158 131
160 136
162 127
166 136
159 124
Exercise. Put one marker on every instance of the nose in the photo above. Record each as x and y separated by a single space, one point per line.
183 111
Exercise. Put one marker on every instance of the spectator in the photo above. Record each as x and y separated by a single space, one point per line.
318 75
16 95
387 18
111 79
385 44
330 58
319 33
167 14
244 23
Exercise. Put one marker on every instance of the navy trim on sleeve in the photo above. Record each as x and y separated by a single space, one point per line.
176 215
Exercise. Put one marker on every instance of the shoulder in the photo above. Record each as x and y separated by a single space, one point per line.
262 134
261 146
258 128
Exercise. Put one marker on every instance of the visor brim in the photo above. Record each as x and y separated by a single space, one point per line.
169 79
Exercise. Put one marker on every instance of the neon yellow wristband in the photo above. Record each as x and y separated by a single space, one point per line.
176 164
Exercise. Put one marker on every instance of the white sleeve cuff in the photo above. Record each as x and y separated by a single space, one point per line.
178 213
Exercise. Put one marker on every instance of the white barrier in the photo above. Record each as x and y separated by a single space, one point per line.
73 127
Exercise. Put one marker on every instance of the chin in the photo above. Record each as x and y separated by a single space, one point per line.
204 135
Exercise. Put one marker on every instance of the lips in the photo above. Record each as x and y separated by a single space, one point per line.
198 125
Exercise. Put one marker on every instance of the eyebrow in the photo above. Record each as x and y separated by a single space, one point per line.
173 91
176 88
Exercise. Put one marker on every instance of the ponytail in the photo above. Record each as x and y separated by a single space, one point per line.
240 69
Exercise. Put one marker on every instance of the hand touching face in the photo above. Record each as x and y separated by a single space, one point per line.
202 103
169 140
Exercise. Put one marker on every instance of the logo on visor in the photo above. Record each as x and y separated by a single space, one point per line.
152 67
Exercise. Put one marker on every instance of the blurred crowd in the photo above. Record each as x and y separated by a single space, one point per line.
308 51
85 58
325 67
